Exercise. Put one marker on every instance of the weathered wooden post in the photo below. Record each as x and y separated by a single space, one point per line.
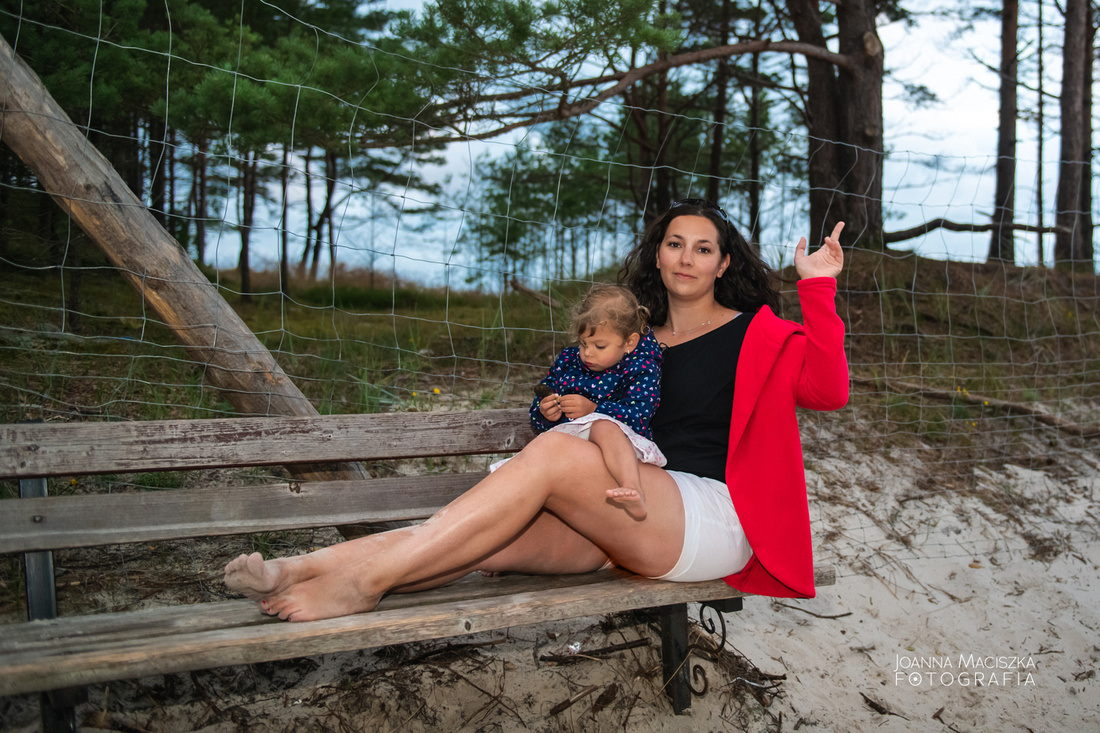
87 187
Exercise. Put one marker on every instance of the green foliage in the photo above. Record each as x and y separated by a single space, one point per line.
541 204
495 36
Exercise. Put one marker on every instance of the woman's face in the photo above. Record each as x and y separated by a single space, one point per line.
689 257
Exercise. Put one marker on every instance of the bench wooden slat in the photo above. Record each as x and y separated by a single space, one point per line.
56 522
104 628
64 449
155 642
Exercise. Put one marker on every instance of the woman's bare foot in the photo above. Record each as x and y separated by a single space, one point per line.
631 500
280 588
325 596
256 578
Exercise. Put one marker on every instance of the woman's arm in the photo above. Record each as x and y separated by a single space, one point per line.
823 383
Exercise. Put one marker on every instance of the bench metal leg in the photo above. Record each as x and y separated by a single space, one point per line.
726 605
59 709
58 706
674 648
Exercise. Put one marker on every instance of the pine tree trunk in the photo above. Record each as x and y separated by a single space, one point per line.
249 172
158 169
844 122
714 177
331 176
170 211
662 193
821 118
721 82
309 212
1069 242
862 155
284 235
755 153
200 188
1086 253
1002 243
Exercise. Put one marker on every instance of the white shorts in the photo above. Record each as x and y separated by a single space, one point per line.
714 542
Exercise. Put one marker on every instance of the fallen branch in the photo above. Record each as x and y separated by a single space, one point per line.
953 226
608 696
880 708
818 615
1016 408
566 704
453 649
494 700
595 653
540 297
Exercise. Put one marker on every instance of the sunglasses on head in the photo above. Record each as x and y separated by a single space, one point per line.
704 204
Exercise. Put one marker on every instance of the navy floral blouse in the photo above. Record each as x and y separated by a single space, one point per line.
629 391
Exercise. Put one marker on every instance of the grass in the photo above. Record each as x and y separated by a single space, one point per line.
370 351
364 343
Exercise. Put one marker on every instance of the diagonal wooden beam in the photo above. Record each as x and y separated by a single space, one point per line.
88 188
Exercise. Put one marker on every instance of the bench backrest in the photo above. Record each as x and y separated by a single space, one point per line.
64 449
38 450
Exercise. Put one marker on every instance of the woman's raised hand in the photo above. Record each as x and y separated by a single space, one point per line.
827 261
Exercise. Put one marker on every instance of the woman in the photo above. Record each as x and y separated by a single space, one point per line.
700 280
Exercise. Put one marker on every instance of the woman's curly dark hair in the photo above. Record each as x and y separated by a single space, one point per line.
746 285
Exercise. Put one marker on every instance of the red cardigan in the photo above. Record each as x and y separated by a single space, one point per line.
782 365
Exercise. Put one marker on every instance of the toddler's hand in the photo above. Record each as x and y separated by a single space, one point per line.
550 408
574 406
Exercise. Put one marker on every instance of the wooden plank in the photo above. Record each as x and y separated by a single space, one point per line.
99 519
64 449
123 625
145 642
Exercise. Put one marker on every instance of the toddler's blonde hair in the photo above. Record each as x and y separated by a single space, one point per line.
609 305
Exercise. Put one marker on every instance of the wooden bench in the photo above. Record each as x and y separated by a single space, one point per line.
58 655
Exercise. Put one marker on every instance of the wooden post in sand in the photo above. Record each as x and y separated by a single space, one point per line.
87 187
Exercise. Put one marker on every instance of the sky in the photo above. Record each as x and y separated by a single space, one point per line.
942 157
940 164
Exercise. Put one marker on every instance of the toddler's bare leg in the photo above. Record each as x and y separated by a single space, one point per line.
622 464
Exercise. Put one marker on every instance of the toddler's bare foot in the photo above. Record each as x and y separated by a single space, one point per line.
631 500
254 577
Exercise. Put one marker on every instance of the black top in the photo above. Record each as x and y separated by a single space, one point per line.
692 424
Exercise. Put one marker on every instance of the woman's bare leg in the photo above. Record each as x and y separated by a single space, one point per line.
562 474
623 464
548 546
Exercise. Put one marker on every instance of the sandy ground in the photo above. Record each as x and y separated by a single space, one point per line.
967 599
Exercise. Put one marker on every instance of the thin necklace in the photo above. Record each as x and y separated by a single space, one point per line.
692 330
